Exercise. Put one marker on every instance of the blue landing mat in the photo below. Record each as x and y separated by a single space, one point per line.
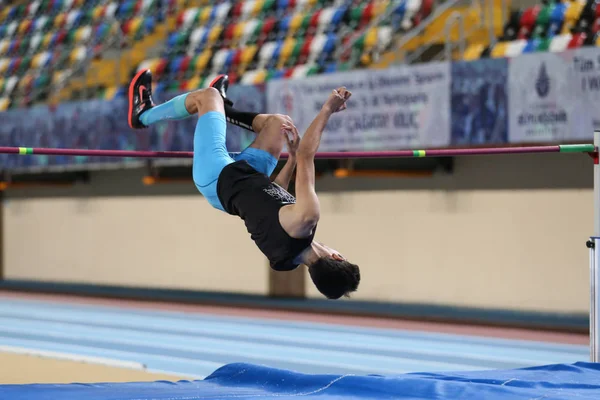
561 381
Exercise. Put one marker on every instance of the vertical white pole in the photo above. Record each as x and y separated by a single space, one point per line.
594 263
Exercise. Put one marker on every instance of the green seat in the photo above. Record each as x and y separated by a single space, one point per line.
293 60
544 45
24 47
256 34
314 70
268 5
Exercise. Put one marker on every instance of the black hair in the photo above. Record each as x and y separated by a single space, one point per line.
334 278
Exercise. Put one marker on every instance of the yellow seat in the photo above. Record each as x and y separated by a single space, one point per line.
3 46
97 13
83 34
60 19
295 23
238 30
4 65
25 81
572 14
47 39
4 13
23 26
35 61
4 103
214 34
371 38
258 6
203 60
260 76
248 54
286 51
380 7
135 26
473 52
110 92
499 50
78 54
205 15
194 83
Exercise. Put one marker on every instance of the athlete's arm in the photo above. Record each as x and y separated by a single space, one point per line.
300 219
293 140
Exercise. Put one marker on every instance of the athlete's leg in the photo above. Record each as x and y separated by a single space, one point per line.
210 151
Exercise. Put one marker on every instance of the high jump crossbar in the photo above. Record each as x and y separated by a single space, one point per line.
593 243
569 148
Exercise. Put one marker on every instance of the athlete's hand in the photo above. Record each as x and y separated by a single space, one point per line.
290 132
337 100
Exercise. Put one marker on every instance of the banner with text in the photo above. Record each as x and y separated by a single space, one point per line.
396 108
554 97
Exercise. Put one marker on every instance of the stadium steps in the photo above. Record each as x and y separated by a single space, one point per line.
434 34
112 69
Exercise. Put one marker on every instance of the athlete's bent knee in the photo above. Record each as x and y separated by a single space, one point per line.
205 100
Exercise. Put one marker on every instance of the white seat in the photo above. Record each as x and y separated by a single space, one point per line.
189 16
111 10
560 42
222 12
71 17
266 53
33 7
384 37
515 48
325 18
249 29
40 23
247 9
219 59
196 38
316 47
301 70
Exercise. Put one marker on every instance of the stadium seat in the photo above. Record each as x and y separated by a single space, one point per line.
499 50
560 42
572 13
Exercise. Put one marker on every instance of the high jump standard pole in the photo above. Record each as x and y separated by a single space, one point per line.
594 246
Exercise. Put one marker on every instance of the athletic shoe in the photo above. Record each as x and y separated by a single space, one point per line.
140 98
221 83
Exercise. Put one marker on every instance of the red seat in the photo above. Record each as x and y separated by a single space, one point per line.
367 14
126 27
288 72
237 57
229 31
185 63
596 26
267 28
138 7
60 37
160 67
180 19
577 40
305 51
426 8
233 76
237 9
528 21
314 19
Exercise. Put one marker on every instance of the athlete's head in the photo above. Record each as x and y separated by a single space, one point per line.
334 276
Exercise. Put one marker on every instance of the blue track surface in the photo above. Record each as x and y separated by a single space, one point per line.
195 345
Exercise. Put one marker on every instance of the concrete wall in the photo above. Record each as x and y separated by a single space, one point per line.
500 232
